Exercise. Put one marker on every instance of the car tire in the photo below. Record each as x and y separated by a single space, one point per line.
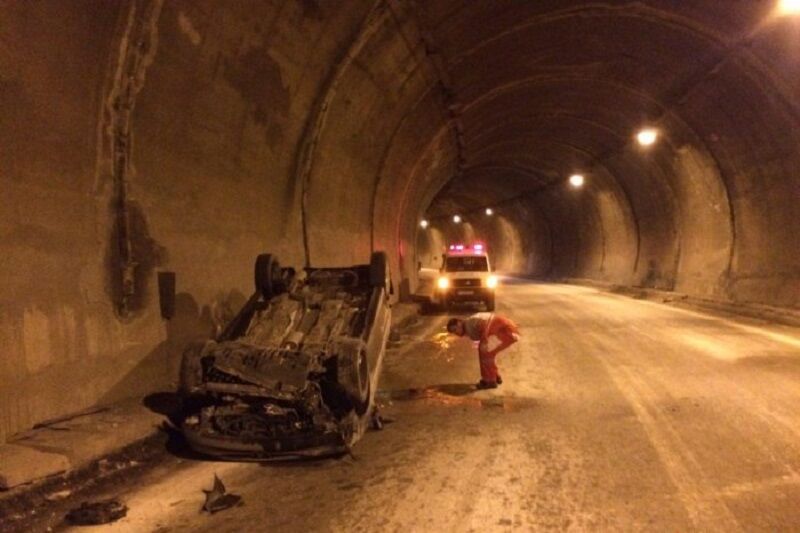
490 303
353 375
379 270
267 276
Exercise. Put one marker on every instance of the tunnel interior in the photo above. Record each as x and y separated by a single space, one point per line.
189 136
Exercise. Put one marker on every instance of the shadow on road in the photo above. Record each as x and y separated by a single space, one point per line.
165 403
170 405
447 389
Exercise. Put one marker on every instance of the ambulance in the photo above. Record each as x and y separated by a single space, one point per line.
465 278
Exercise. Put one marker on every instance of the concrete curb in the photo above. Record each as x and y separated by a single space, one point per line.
21 464
779 315
72 444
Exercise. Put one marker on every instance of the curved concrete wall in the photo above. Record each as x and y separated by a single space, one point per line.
188 136
710 210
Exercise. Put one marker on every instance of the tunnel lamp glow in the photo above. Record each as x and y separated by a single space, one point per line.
457 219
489 211
789 7
647 137
423 224
577 181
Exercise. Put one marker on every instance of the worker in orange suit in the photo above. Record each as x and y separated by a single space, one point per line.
493 333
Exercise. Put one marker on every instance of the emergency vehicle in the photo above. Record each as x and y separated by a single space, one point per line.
465 277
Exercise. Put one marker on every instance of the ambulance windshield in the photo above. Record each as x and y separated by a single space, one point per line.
466 264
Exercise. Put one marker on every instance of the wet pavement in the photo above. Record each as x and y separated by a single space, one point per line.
615 414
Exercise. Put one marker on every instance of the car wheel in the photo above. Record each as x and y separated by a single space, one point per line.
490 303
267 275
353 375
379 270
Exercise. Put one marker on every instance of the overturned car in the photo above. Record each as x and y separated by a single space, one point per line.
296 371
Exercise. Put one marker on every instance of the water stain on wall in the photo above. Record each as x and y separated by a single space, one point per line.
146 254
257 77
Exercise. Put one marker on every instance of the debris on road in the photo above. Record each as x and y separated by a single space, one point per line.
217 499
97 513
58 495
377 422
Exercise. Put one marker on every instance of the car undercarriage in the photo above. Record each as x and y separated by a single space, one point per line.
294 373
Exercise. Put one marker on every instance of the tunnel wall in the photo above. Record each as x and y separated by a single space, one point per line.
161 135
188 136
710 210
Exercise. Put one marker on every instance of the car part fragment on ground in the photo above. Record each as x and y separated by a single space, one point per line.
97 513
294 373
217 499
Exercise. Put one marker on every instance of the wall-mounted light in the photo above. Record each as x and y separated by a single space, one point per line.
577 181
489 211
423 223
457 219
789 7
647 137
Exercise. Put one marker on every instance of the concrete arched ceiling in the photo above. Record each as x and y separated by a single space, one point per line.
552 88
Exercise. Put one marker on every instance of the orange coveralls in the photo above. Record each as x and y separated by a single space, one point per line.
480 327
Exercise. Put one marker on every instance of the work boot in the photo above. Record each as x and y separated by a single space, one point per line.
485 385
499 380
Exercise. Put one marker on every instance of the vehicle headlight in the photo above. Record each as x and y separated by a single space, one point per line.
491 282
443 283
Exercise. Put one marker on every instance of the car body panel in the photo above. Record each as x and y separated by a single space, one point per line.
292 375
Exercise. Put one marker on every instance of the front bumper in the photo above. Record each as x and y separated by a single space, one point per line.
301 444
466 294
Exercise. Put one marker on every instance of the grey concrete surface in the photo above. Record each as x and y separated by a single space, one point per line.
23 464
616 414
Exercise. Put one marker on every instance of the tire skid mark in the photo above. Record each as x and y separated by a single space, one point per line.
707 511
704 506
789 427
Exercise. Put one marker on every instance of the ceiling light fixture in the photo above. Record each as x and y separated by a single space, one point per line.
647 137
789 7
577 181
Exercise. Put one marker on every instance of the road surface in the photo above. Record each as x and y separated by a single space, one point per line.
615 414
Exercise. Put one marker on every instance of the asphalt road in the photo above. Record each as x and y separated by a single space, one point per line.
616 414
